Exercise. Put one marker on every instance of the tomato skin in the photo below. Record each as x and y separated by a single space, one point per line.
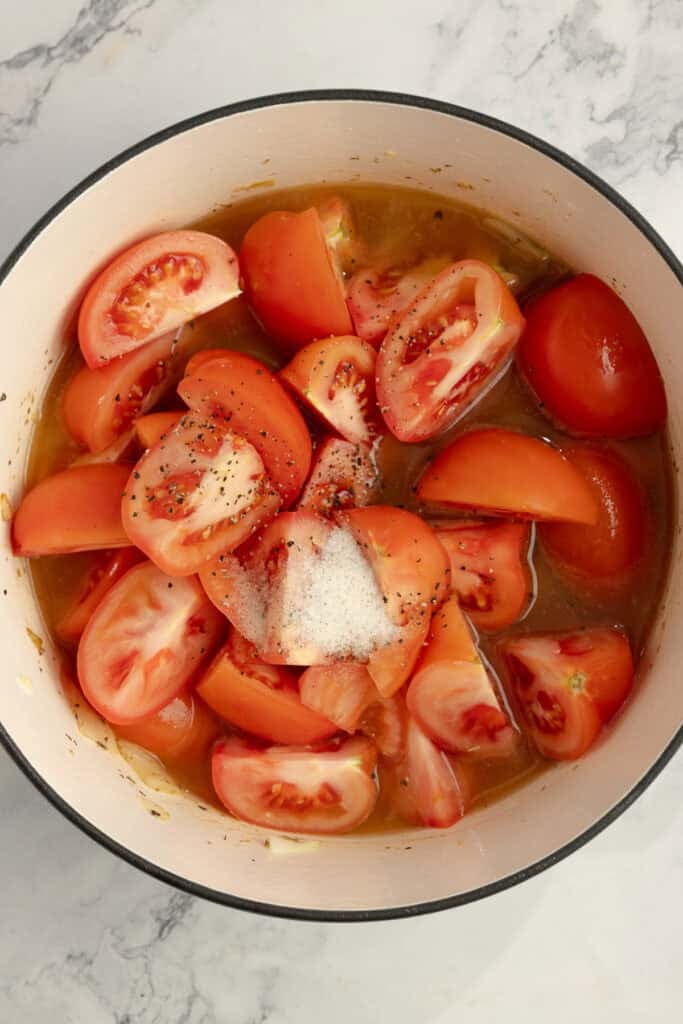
439 355
374 298
183 729
151 428
77 509
568 685
235 390
601 555
385 723
154 287
617 390
295 789
427 790
341 692
392 665
290 281
343 475
144 643
105 571
502 472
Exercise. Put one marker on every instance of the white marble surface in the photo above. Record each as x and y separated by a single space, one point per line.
84 937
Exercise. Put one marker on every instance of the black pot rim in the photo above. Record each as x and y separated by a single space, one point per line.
273 909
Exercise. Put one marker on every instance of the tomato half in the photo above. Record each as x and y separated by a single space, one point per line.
439 355
588 361
568 684
100 405
343 475
490 570
240 392
290 280
336 379
77 509
602 554
501 472
184 729
341 692
146 640
294 789
200 490
153 287
425 788
105 570
375 297
151 428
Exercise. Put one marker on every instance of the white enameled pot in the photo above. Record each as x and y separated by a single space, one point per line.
172 179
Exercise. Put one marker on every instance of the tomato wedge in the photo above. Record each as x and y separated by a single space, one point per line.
184 729
77 509
123 449
339 230
295 789
290 279
384 722
259 698
375 297
343 475
341 692
569 684
200 490
336 379
146 640
504 473
586 358
154 287
426 788
490 570
392 664
240 392
151 428
106 569
439 355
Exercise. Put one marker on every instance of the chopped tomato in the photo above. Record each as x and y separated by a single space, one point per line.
602 554
240 392
77 509
341 691
145 642
296 789
120 450
568 684
336 378
343 475
588 361
375 297
449 344
154 426
490 570
183 729
501 472
391 665
341 237
154 287
200 490
100 405
384 721
105 570
290 278
426 788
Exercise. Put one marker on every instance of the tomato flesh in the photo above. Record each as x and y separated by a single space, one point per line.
155 425
105 570
343 475
341 692
183 730
375 297
432 791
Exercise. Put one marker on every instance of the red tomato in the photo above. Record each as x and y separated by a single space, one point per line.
604 553
100 405
154 287
183 729
568 685
336 378
392 665
290 280
341 692
427 789
375 297
341 237
505 473
239 391
146 640
385 721
586 357
489 569
445 349
120 450
78 509
198 491
296 789
151 428
106 569
343 475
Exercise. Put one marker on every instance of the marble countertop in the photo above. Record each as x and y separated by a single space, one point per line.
85 939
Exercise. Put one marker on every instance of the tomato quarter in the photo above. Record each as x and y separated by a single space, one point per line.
342 692
184 729
151 428
343 475
105 570
375 297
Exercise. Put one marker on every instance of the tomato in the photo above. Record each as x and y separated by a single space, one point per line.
568 684
183 729
259 698
77 509
385 721
154 426
589 363
490 569
290 280
426 788
375 297
238 391
296 789
604 553
120 450
392 665
100 405
105 570
154 287
451 696
336 378
505 473
341 691
339 231
146 640
439 355
343 475
200 490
